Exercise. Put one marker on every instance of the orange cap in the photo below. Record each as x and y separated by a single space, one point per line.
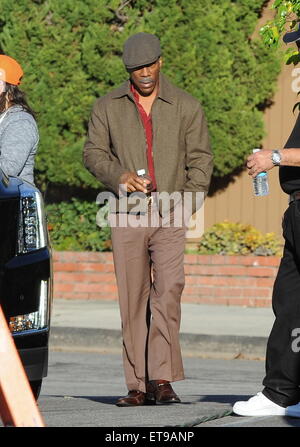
10 70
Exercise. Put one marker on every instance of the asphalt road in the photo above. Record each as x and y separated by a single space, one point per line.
82 387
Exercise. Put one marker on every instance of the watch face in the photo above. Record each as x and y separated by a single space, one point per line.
276 157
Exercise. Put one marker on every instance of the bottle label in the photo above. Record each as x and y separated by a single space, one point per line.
261 174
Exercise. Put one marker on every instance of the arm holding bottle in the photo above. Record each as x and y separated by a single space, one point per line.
262 161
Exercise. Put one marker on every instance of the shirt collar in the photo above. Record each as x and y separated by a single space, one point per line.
134 92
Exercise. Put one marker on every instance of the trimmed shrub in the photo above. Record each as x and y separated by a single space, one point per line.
228 238
72 226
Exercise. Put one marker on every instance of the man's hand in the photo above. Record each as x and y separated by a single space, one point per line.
133 182
259 162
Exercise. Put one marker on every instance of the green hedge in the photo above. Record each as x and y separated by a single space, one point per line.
72 226
71 54
71 50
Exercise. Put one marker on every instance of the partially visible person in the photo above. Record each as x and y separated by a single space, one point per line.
19 135
281 393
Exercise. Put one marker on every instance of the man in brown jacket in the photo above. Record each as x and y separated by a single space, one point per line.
148 123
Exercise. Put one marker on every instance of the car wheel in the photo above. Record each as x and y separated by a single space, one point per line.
36 387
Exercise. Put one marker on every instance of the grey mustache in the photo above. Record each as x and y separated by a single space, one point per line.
146 80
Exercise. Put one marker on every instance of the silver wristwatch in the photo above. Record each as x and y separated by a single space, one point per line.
276 158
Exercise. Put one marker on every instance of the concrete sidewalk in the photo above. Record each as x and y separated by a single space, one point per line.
82 388
206 330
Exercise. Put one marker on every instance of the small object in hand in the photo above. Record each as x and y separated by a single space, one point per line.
142 173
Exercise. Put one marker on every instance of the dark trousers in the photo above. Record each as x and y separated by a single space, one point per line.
282 378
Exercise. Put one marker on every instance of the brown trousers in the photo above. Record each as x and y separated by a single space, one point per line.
150 277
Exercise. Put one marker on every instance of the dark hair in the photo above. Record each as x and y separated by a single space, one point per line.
15 97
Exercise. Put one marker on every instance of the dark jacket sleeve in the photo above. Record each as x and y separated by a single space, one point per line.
97 156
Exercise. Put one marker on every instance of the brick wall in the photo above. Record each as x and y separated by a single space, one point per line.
210 279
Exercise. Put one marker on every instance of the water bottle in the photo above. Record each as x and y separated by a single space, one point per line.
142 173
260 182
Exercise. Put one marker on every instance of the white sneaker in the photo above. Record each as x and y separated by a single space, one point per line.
260 405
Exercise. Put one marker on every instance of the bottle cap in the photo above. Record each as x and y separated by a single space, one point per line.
141 172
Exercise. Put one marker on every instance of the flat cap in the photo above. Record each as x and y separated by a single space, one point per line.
141 49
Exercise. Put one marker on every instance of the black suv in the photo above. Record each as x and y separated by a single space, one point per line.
26 274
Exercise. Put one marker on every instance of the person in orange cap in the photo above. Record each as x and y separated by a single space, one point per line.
19 136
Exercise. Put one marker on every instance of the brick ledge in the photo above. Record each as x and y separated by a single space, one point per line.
210 279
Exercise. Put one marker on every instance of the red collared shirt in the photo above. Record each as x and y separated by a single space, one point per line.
147 123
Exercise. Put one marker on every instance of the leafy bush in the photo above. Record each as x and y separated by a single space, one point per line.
227 238
71 52
73 226
284 12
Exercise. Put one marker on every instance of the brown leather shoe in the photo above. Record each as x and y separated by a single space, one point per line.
134 398
161 392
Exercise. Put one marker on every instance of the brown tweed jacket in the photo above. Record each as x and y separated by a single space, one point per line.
116 140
